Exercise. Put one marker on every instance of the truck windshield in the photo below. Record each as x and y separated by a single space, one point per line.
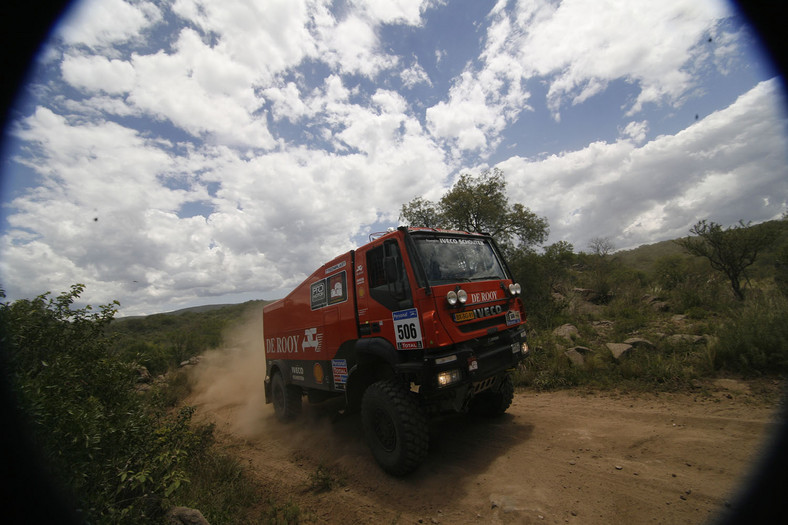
450 259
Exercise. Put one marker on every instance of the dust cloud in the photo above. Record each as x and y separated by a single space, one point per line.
230 380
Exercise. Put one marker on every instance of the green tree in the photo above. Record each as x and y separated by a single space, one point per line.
729 250
479 204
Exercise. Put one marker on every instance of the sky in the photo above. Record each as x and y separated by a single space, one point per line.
175 153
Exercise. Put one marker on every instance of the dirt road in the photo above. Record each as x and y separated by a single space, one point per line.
555 457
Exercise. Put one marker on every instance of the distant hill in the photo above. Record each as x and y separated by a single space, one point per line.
197 309
644 257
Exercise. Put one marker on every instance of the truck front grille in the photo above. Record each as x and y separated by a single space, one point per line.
483 324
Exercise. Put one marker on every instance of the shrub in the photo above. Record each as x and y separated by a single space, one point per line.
120 459
754 339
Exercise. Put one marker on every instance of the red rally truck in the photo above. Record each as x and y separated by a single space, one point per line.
415 323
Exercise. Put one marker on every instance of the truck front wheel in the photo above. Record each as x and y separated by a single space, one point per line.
286 398
395 427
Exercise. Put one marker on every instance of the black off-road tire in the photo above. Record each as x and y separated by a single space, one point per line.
493 403
395 427
286 398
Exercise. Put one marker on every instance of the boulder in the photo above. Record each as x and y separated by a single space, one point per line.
577 355
618 349
660 306
185 516
602 327
143 376
678 339
639 342
567 331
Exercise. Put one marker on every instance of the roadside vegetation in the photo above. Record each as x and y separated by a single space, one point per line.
119 452
104 397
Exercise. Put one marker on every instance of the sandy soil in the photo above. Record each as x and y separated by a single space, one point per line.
560 457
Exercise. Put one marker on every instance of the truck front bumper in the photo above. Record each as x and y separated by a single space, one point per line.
476 364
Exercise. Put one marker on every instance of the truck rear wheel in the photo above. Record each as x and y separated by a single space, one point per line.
493 403
395 427
286 398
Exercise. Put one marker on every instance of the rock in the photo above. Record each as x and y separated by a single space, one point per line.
566 331
639 342
190 362
602 327
618 349
677 339
577 355
185 516
143 376
660 306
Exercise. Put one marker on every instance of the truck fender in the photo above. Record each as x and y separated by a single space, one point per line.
376 359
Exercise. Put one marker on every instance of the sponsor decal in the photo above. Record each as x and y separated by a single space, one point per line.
336 267
339 370
329 291
512 317
292 344
487 311
359 269
318 294
317 372
337 285
407 329
460 241
311 340
297 373
464 316
483 297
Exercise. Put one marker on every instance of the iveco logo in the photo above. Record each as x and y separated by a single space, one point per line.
488 311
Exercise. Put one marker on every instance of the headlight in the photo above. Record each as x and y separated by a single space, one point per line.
462 296
520 347
448 377
515 289
451 297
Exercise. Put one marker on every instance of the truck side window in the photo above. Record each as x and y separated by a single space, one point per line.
388 282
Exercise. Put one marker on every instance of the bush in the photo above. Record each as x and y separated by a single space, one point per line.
754 340
121 459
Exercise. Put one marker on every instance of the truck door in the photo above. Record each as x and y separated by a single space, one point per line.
383 289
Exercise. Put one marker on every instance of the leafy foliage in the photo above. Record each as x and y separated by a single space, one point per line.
120 458
480 204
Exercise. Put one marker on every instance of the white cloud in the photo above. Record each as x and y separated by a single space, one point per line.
267 37
722 168
394 11
577 48
414 76
100 23
97 73
202 91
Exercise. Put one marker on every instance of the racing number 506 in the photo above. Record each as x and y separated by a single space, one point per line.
407 331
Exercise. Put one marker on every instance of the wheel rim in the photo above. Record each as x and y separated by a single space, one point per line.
385 431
